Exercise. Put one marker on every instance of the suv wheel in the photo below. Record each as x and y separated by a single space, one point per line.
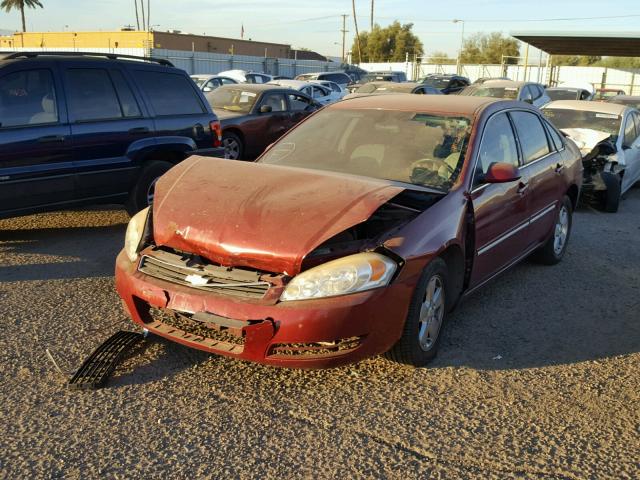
233 147
142 194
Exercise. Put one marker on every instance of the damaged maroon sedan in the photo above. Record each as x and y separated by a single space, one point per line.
354 234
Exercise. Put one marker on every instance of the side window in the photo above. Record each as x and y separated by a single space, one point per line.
535 92
555 136
27 98
533 139
526 94
307 91
498 145
629 132
226 81
91 95
169 93
335 87
319 92
128 101
276 101
298 103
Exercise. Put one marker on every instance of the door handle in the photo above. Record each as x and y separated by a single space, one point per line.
559 168
138 130
522 188
51 139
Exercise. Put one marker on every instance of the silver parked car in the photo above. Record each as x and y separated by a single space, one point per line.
208 82
528 92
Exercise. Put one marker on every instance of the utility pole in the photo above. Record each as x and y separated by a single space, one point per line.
355 22
344 32
144 23
135 3
148 14
371 29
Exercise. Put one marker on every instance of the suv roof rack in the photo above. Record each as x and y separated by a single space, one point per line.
110 56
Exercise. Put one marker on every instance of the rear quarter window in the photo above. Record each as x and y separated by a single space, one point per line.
169 93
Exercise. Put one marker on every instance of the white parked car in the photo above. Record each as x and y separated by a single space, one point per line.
529 92
319 93
336 88
341 78
208 83
608 136
242 76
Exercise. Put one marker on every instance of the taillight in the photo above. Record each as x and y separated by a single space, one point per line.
216 129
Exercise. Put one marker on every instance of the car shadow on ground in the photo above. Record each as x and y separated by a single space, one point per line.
61 245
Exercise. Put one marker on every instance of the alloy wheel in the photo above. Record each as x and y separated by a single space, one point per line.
231 148
431 313
561 231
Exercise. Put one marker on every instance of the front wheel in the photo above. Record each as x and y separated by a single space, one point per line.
420 338
554 249
233 147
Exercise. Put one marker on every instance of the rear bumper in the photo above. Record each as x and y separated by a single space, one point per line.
306 334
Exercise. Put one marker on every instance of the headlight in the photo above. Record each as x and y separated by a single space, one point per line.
355 273
135 231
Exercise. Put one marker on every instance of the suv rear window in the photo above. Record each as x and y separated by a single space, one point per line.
27 98
169 93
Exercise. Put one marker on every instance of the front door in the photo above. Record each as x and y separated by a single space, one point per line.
501 210
631 148
36 169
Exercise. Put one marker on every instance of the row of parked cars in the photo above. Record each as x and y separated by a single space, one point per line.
359 228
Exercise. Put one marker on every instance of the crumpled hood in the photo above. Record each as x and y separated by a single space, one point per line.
262 216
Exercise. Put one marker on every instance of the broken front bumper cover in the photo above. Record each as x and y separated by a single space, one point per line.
305 334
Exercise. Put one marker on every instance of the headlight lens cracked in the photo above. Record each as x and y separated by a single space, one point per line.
355 273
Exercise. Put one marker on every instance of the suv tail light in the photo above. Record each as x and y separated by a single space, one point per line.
216 129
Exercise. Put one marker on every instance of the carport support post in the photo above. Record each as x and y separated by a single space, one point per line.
633 83
526 61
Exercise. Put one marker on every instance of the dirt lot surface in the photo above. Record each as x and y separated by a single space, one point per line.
538 377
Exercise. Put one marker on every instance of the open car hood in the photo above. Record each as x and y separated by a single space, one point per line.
256 215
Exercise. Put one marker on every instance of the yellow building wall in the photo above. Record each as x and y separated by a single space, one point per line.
73 40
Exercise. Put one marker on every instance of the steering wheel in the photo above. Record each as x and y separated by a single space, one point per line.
435 163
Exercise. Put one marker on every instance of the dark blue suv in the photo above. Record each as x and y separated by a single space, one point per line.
81 129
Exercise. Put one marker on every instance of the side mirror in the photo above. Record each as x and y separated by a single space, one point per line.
528 100
265 109
501 172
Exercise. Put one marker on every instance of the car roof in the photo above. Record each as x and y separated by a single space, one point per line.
397 86
290 83
87 57
506 83
450 104
588 106
256 87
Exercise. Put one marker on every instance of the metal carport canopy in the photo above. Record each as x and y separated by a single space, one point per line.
590 43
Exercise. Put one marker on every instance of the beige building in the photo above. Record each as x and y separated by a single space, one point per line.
149 40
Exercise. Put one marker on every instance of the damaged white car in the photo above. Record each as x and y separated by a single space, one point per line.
608 136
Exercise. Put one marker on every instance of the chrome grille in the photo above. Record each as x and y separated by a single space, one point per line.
192 271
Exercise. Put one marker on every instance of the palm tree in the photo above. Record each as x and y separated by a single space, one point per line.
8 5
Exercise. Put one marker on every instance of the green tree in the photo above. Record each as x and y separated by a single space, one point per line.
389 44
8 5
575 60
441 58
489 49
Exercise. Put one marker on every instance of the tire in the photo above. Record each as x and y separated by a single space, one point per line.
554 249
142 194
409 349
611 196
233 146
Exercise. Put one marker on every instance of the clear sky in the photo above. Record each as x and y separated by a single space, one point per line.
315 24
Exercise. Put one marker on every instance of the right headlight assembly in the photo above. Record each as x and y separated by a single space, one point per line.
354 273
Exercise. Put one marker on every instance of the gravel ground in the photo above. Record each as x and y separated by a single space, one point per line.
538 377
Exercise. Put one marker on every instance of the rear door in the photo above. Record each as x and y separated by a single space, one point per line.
299 108
543 165
36 168
501 210
106 119
177 106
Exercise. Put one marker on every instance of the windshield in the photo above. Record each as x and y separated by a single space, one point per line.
232 99
307 76
510 93
563 94
632 102
435 82
418 148
604 122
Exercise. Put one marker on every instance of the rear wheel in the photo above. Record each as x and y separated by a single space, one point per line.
553 251
142 194
420 338
233 146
